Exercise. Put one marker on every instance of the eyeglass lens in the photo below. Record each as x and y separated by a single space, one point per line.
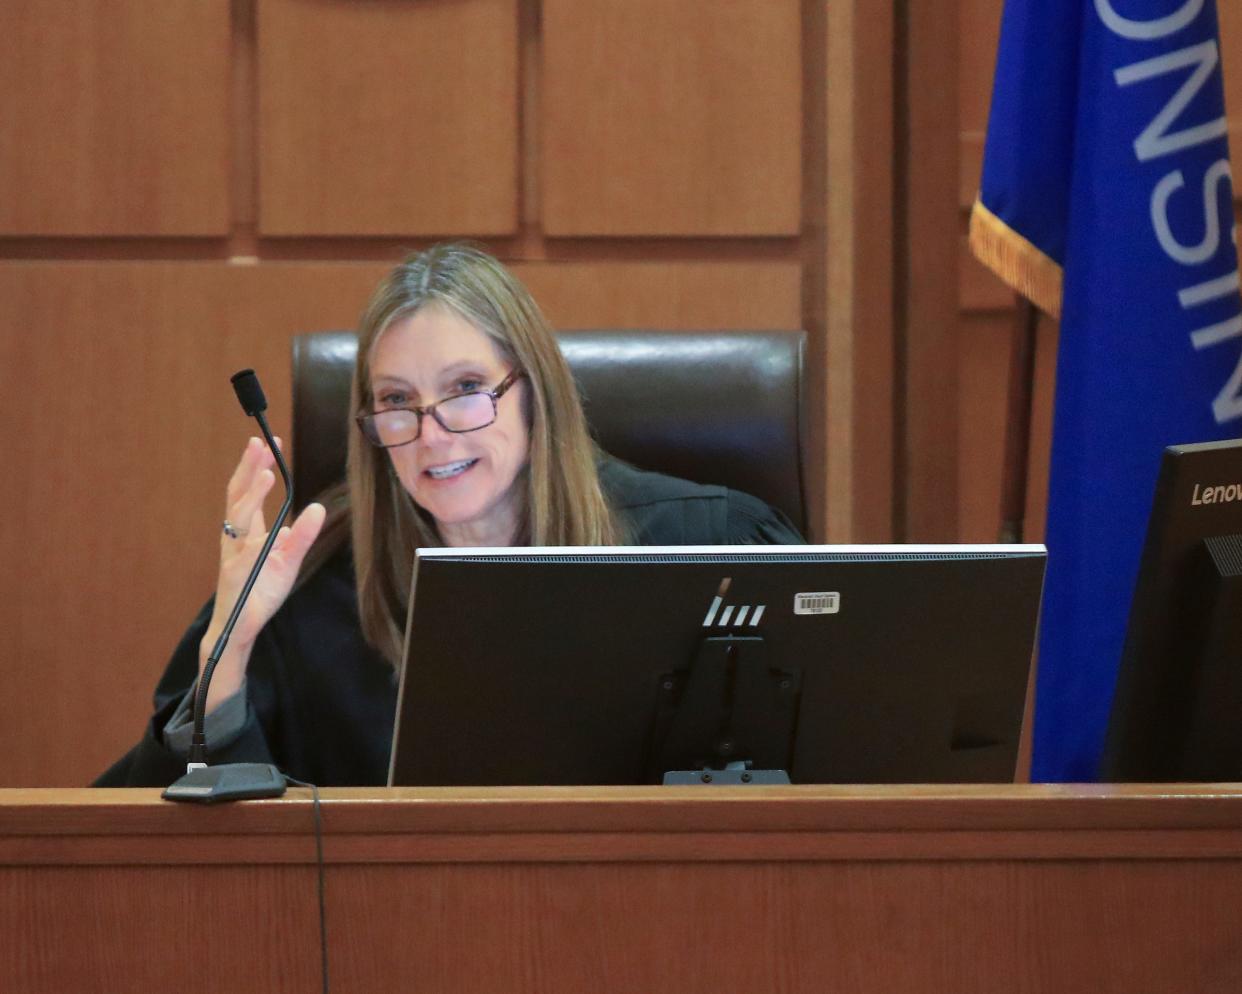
468 412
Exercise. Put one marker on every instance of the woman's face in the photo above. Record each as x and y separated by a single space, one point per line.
466 481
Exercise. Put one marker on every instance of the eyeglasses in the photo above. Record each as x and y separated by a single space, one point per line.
460 413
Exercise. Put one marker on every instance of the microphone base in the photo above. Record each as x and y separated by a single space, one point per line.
229 782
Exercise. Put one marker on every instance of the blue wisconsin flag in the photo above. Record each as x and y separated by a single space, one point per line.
1106 199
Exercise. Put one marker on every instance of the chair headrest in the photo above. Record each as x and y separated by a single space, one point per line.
712 407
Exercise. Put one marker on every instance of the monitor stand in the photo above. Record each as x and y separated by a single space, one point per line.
729 718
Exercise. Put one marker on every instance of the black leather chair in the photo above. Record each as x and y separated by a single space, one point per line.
713 407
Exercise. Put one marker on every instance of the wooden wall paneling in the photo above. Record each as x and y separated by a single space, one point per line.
985 343
113 407
920 927
672 295
388 118
984 346
971 889
1040 460
856 239
122 432
814 251
1230 18
671 118
979 30
114 117
928 311
987 326
979 289
985 304
244 170
530 81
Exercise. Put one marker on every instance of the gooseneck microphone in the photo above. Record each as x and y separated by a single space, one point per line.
233 781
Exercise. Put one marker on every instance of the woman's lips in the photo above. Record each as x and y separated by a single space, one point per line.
449 470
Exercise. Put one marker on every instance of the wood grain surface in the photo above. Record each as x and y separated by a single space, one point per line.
671 118
972 889
115 118
387 118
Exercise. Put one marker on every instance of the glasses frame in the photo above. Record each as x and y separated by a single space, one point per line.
494 394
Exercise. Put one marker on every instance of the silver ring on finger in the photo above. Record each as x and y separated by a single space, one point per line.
232 531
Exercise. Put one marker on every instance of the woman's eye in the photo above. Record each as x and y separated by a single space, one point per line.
393 399
469 385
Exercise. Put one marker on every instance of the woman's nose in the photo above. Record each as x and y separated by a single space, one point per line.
434 433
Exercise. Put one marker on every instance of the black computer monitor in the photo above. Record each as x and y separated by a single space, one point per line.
1177 712
846 664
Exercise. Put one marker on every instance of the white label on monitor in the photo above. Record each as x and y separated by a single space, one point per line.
824 602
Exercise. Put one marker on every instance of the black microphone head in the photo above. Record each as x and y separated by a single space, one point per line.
246 386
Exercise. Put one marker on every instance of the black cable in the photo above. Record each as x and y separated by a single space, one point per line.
323 906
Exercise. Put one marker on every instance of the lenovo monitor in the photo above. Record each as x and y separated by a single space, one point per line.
1177 712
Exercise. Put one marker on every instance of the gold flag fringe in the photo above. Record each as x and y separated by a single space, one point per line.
1015 260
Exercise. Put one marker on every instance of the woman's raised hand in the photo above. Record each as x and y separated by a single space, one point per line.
249 485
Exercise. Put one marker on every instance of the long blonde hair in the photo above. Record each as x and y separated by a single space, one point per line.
564 502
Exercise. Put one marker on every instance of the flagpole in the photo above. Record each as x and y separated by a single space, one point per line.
1014 482
1021 396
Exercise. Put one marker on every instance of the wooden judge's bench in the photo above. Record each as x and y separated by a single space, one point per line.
971 890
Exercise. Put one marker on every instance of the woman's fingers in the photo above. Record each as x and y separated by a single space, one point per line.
255 458
295 540
309 522
251 483
245 512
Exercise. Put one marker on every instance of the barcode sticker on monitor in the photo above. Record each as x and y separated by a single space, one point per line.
824 602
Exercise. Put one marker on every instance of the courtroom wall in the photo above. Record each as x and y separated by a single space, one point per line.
186 185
